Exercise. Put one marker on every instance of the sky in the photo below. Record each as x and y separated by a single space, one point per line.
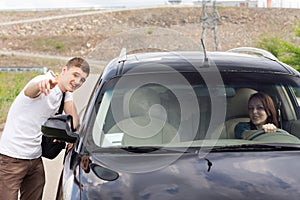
21 4
44 4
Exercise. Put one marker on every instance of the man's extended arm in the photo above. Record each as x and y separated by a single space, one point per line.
34 89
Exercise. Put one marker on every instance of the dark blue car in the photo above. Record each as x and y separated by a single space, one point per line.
161 126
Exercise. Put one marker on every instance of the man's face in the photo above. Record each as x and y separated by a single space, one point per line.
72 78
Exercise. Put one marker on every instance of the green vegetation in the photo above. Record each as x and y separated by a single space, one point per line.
150 31
287 52
26 61
11 83
49 43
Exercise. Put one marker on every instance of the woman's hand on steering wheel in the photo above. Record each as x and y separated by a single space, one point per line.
269 128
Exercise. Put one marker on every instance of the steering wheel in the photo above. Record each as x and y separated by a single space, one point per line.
279 132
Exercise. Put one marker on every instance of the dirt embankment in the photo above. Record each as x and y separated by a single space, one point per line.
100 35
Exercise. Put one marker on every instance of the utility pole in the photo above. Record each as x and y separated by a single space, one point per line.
210 21
247 3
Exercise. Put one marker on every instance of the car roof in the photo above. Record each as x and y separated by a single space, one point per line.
191 61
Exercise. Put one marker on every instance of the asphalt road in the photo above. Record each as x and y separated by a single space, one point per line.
53 169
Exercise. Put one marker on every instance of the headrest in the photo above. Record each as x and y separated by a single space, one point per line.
141 100
237 106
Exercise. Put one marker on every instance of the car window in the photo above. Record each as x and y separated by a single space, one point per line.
176 113
296 93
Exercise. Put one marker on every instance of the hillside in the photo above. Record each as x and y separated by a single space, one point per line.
100 34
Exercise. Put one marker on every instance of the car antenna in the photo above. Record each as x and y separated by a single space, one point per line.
205 63
122 56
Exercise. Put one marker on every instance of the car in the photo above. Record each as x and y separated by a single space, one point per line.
160 125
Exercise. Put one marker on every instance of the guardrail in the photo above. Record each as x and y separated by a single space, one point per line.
24 69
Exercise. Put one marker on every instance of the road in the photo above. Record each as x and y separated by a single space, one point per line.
53 168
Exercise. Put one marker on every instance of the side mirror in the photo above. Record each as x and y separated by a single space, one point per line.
60 127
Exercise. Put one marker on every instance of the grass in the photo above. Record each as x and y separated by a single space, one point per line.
11 84
49 43
26 61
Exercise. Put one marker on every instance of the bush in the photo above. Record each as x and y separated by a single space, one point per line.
11 84
285 51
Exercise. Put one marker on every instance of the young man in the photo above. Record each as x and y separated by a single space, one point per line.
21 166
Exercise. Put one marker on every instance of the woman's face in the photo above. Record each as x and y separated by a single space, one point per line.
257 112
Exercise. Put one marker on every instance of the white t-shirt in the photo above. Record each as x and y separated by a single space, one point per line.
22 136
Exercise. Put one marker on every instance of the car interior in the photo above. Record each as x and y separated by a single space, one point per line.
156 114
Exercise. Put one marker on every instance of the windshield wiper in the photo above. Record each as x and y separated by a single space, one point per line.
153 149
140 149
256 147
143 149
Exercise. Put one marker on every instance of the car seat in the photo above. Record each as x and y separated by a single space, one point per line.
237 111
146 120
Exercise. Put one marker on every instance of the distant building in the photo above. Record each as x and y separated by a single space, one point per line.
231 3
174 1
254 3
279 3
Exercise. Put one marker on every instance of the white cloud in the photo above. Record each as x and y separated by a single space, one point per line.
21 4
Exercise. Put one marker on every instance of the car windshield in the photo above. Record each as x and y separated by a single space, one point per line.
167 110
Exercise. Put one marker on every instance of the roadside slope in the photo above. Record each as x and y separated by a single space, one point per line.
102 33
